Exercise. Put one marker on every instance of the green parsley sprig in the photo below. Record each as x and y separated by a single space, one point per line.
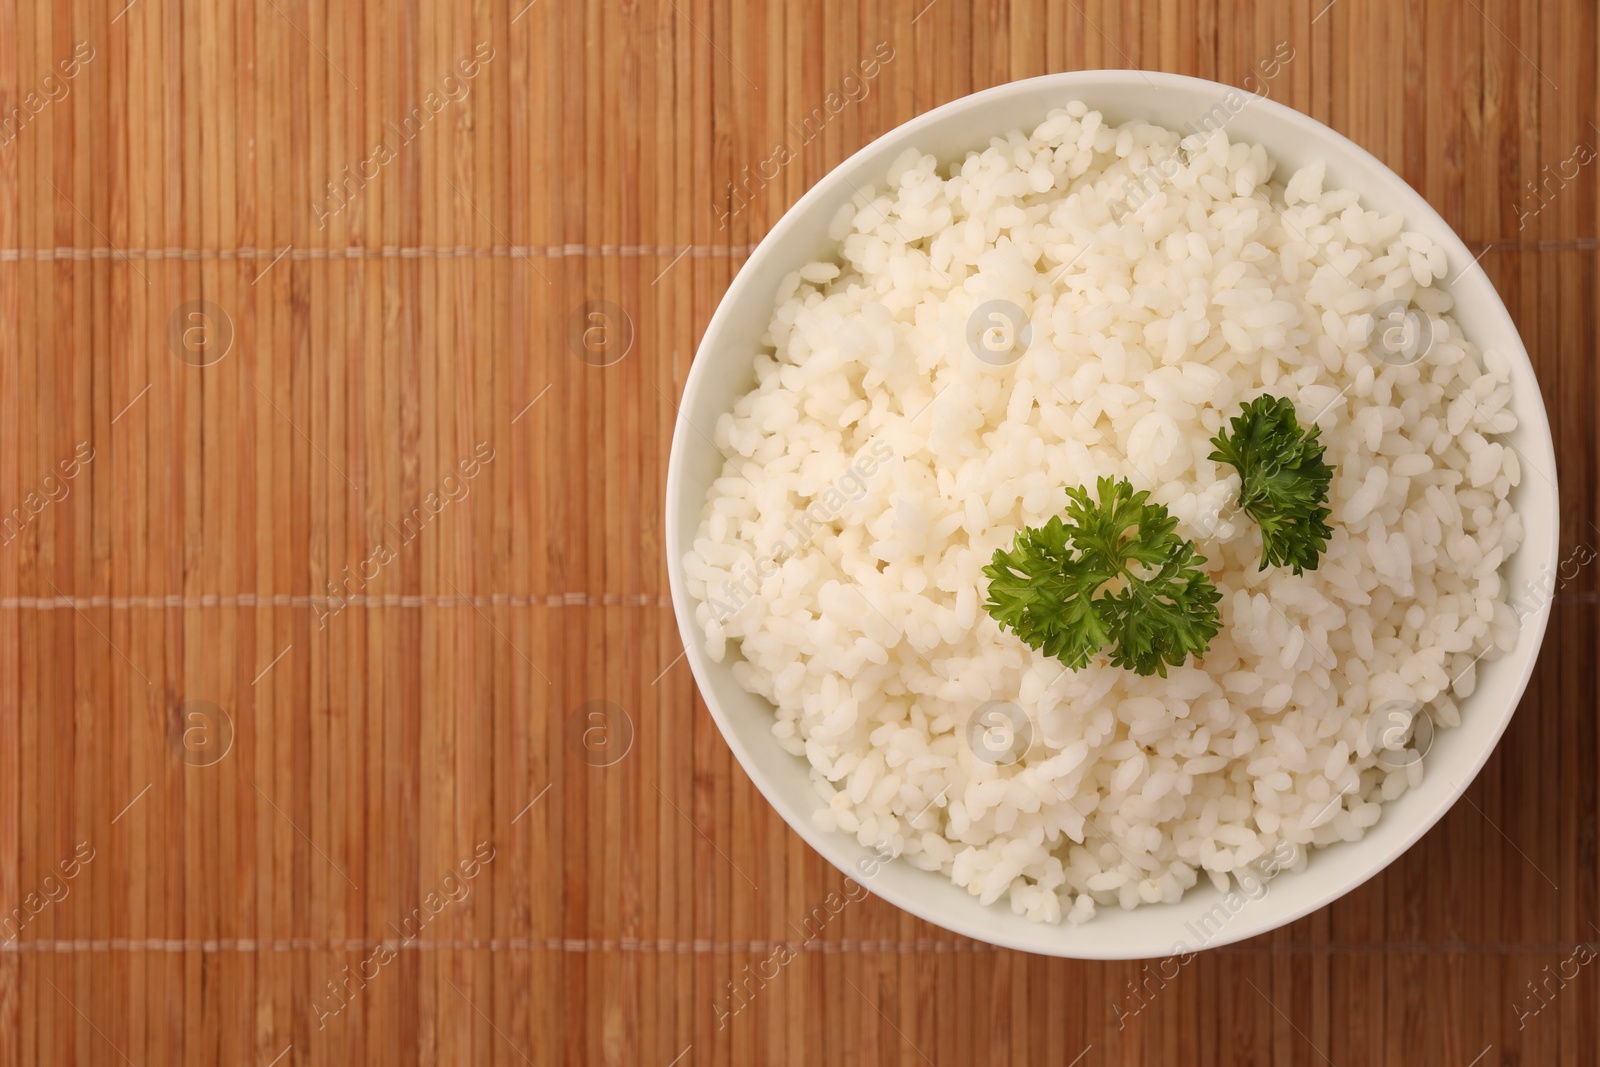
1114 574
1283 481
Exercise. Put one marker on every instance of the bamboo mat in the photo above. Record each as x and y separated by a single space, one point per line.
331 549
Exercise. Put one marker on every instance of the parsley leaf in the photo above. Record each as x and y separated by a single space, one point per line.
1283 481
1115 573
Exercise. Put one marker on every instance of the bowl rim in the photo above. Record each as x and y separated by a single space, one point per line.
1420 215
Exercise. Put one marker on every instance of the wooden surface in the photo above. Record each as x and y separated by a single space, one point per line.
176 587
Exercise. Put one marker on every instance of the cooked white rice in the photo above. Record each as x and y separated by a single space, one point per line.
878 463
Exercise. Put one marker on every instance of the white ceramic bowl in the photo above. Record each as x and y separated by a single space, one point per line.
723 371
